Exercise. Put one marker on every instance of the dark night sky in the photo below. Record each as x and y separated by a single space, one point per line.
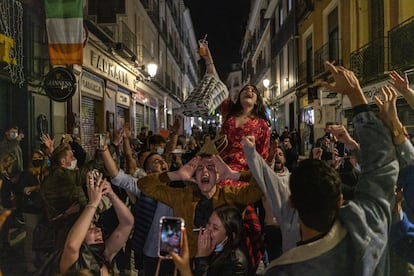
224 21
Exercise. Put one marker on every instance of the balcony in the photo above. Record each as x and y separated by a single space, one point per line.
304 75
328 52
368 62
402 37
303 8
127 42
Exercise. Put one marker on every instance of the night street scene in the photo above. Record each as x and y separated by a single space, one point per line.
180 137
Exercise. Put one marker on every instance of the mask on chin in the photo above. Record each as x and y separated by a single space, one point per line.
219 247
73 164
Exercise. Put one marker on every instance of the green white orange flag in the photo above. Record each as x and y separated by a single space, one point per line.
64 23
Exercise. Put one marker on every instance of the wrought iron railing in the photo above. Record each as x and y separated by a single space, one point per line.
328 52
128 38
368 62
401 43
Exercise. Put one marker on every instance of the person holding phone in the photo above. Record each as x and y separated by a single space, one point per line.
85 246
221 249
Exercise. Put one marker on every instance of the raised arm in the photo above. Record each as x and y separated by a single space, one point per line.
78 232
379 168
388 113
109 162
208 59
121 233
131 163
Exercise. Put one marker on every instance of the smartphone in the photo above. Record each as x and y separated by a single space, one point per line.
170 237
101 140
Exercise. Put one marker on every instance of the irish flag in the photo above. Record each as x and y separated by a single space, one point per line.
64 23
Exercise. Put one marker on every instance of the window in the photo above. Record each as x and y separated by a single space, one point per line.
333 35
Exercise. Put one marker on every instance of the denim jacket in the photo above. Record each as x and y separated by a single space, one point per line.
357 242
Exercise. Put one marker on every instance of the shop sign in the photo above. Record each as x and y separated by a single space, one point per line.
123 97
60 84
92 85
6 45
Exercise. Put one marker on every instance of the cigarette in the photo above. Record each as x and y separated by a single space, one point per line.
199 229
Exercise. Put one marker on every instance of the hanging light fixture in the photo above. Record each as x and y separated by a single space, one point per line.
152 68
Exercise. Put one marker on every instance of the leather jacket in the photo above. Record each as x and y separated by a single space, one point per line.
236 263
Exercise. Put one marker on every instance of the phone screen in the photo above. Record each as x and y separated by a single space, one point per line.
170 235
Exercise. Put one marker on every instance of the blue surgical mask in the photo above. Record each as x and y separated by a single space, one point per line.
160 151
220 246
357 167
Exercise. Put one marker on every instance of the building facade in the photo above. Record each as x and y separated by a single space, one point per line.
113 86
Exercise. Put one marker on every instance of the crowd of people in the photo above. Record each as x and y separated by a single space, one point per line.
245 197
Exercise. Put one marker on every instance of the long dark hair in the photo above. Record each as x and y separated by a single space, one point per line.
259 110
232 220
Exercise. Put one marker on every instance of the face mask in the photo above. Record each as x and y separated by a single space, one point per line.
160 151
97 251
220 246
13 136
48 162
73 164
357 167
37 162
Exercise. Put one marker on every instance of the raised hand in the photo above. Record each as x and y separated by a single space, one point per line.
342 135
186 172
94 188
248 142
346 83
223 170
387 105
403 86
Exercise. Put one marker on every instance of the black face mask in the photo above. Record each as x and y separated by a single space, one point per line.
37 162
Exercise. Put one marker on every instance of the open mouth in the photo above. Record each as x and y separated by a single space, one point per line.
205 180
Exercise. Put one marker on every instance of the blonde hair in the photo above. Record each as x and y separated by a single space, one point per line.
6 157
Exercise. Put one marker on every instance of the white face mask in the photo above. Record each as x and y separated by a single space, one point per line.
13 136
73 164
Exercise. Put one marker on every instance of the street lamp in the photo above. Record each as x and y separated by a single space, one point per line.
152 68
266 83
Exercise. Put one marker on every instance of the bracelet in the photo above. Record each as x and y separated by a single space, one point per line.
91 206
210 63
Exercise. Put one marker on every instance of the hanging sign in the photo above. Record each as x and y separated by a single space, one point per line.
60 84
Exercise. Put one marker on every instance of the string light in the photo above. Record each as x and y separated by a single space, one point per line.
11 24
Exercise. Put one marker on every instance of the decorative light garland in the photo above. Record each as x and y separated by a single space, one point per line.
11 25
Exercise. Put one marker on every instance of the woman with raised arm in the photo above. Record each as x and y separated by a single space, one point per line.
85 246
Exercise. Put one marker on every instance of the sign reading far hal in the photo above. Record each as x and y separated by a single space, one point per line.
60 84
